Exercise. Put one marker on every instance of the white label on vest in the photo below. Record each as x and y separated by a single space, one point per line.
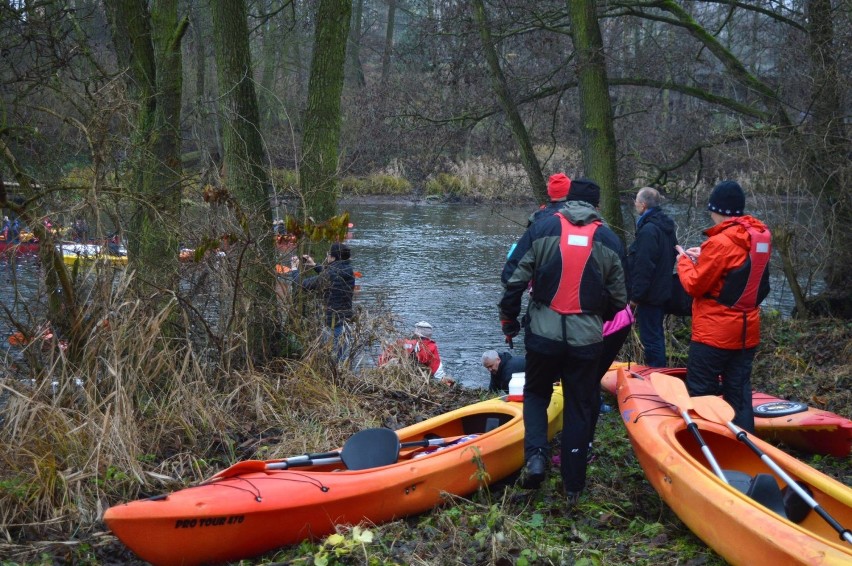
578 240
762 248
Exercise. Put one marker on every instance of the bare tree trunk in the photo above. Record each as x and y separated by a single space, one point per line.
246 175
504 96
830 168
354 69
386 55
782 238
322 119
598 136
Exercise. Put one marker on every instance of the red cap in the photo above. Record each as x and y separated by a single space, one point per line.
557 186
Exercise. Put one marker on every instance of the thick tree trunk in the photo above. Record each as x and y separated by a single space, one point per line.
829 147
148 45
322 119
246 175
598 136
269 64
504 96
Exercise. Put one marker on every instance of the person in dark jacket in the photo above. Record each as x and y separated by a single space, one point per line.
501 367
563 333
650 260
335 282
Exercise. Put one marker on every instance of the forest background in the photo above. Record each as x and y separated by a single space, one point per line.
200 123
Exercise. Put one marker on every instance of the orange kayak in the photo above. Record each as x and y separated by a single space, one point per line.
250 508
778 420
734 524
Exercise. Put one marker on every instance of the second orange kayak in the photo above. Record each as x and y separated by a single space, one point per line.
795 424
755 525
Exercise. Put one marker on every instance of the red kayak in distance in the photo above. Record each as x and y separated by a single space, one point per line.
779 420
19 248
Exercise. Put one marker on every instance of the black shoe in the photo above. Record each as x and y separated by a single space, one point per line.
572 498
534 472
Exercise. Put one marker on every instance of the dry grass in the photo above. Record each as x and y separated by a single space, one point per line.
145 411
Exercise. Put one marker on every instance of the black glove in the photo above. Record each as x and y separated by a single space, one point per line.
511 328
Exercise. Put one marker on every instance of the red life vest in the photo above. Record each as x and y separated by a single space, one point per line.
745 287
575 246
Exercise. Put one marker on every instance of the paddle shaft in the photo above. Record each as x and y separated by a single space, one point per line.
322 458
693 428
742 436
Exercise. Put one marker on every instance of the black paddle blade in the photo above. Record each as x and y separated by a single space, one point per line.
370 448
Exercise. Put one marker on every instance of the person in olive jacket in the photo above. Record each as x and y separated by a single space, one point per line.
650 263
579 282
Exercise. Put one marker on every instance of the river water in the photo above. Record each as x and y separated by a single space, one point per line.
435 262
442 263
439 263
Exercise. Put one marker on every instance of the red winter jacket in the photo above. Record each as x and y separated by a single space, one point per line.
713 323
424 350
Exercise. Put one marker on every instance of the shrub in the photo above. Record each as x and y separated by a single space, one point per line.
445 185
79 177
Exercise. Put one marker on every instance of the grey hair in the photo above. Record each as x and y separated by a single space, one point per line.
650 196
490 356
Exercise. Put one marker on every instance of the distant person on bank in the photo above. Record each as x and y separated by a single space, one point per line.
335 283
420 348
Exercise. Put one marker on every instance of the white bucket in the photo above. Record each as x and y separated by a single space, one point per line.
516 387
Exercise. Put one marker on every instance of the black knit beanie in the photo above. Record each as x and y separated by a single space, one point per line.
585 190
340 251
727 199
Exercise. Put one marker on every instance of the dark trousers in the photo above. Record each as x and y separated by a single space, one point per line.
580 387
703 369
649 320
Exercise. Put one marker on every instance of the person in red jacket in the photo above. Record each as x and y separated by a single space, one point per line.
728 277
421 348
